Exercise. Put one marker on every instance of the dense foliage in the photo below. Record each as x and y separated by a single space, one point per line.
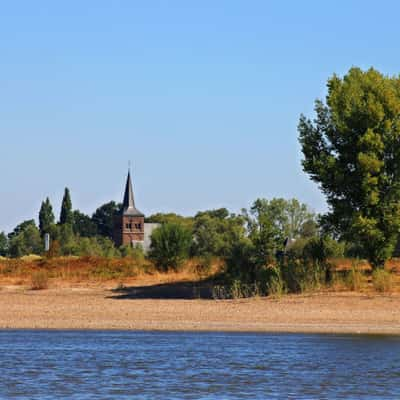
46 217
66 214
352 150
170 245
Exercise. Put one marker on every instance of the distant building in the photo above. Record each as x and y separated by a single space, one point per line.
129 226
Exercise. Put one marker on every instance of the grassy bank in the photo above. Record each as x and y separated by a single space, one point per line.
40 273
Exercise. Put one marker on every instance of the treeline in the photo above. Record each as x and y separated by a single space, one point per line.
255 245
214 233
75 233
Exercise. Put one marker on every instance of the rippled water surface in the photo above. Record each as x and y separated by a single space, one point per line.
155 365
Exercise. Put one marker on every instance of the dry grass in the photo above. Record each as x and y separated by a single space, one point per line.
64 271
31 257
109 272
382 280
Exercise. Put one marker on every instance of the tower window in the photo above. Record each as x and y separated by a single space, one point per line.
138 226
128 226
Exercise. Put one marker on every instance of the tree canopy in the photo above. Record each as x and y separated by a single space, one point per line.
352 150
103 218
25 239
215 232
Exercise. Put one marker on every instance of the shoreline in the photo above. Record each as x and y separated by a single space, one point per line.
295 330
99 308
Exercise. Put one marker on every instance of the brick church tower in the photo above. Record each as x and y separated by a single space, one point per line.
129 223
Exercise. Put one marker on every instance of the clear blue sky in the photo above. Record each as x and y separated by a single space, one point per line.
203 96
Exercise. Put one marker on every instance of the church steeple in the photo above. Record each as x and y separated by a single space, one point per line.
128 205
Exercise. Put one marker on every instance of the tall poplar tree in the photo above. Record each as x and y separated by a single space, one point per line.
46 217
66 215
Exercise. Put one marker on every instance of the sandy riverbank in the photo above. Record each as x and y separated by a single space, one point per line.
100 308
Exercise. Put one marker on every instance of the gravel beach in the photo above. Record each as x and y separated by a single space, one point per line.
103 308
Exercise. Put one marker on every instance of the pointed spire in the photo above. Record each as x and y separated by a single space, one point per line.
128 204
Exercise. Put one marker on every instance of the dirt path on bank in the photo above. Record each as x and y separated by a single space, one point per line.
99 308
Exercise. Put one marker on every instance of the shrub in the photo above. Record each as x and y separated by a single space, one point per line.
170 244
321 248
134 252
302 276
39 280
354 279
219 292
382 280
239 290
236 289
276 286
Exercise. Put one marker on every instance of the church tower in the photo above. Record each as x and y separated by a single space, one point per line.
129 223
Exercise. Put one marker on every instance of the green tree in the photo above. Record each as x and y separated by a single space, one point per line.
25 239
170 244
103 218
298 218
21 227
67 240
3 244
265 230
46 217
66 215
83 225
216 231
352 150
309 229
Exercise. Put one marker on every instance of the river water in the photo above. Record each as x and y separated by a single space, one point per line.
158 365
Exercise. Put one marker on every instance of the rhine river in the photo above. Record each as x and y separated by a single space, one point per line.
158 365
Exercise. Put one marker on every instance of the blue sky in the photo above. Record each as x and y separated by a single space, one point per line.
203 96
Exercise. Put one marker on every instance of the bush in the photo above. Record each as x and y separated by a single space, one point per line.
354 279
170 245
321 248
302 276
276 286
134 252
382 280
39 280
219 292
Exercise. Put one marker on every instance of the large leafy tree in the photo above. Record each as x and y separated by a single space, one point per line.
25 239
352 150
66 215
83 225
265 228
270 222
216 231
103 218
46 217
